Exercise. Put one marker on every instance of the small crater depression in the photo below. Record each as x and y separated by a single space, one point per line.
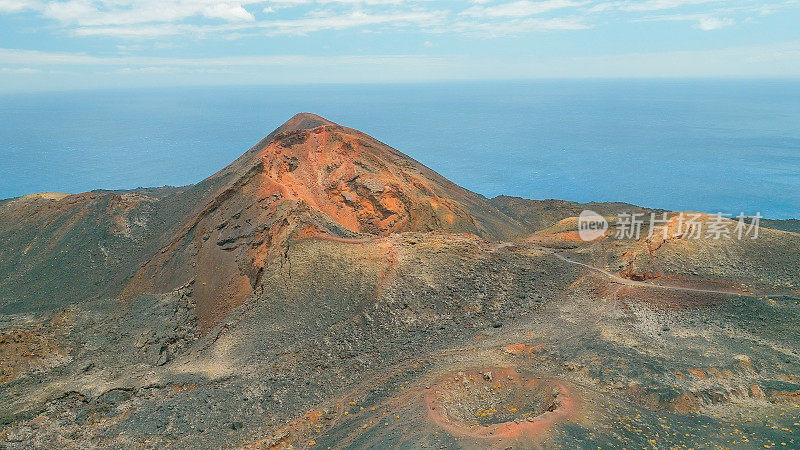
497 402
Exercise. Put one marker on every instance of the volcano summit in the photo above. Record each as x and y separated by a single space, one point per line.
325 289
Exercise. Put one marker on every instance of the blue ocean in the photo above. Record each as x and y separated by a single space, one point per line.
706 145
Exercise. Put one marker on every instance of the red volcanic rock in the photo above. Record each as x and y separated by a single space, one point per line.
309 178
364 185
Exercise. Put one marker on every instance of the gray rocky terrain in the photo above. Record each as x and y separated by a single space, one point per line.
325 290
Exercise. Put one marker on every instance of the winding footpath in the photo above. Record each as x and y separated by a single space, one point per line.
626 282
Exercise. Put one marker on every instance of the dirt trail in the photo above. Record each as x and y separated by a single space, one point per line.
626 282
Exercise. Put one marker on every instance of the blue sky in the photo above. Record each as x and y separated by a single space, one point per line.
70 44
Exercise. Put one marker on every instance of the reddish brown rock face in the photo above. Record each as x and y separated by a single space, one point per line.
361 184
309 179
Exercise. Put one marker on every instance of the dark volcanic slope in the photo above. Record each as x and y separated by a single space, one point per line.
792 225
56 249
536 215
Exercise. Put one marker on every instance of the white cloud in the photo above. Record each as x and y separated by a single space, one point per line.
351 20
285 3
228 12
127 12
518 26
522 8
232 19
133 32
14 6
19 70
70 11
648 5
713 23
658 5
312 23
703 22
16 57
